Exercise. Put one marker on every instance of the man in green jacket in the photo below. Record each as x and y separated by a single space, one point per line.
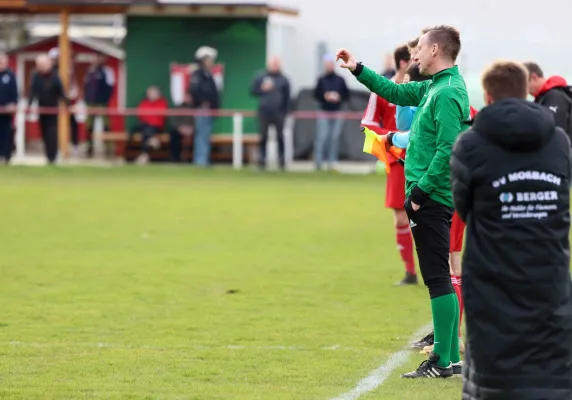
443 113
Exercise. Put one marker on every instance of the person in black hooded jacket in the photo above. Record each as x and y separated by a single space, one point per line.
510 177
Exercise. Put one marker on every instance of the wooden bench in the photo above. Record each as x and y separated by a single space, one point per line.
221 147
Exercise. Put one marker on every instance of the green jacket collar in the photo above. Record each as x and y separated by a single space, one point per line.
449 71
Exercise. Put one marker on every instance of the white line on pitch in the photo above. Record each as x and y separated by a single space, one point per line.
379 375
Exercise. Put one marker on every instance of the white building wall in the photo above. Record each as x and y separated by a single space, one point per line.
490 29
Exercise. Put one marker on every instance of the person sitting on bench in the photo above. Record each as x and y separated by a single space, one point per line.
150 124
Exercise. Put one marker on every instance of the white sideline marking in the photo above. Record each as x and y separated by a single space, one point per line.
335 347
376 378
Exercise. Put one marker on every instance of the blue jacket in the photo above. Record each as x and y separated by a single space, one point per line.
8 88
403 119
331 83
99 83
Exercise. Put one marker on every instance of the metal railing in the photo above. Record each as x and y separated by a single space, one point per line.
24 113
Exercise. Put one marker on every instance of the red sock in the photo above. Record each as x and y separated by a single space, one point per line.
456 281
460 296
405 246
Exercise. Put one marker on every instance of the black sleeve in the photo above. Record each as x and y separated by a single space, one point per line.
13 89
256 84
557 102
345 91
60 93
319 91
461 177
287 99
33 90
195 88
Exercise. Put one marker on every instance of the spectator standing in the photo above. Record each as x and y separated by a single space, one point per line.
205 95
9 99
273 91
99 83
47 88
389 69
331 92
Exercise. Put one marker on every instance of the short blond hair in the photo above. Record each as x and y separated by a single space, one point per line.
505 79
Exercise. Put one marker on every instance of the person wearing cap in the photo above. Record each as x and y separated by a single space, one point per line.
330 92
205 95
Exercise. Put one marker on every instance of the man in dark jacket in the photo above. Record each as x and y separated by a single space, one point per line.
511 176
553 93
99 83
8 99
206 97
331 92
273 90
47 88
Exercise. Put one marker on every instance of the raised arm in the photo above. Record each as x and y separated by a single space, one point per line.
404 94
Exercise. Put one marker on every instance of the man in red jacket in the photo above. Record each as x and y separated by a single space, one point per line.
379 116
150 123
553 93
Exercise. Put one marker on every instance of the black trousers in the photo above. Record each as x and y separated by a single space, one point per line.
147 132
49 128
74 130
6 137
265 121
431 229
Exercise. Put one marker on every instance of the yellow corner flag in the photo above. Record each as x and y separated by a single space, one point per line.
374 144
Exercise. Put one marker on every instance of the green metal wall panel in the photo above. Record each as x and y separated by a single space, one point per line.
152 44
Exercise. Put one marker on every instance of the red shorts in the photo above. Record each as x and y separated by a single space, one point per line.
395 187
457 233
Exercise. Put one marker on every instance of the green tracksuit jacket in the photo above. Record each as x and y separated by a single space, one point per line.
442 114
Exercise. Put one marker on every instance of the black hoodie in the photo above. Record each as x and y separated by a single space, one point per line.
510 177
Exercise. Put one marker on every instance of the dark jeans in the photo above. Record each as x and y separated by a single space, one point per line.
176 144
431 229
6 137
74 131
147 132
265 121
49 128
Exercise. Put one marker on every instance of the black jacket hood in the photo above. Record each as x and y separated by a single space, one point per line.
516 125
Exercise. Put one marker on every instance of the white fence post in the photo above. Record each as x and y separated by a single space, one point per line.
98 129
237 126
289 141
21 130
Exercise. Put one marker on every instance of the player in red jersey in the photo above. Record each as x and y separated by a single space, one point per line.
379 116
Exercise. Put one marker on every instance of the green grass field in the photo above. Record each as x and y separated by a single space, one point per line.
171 283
